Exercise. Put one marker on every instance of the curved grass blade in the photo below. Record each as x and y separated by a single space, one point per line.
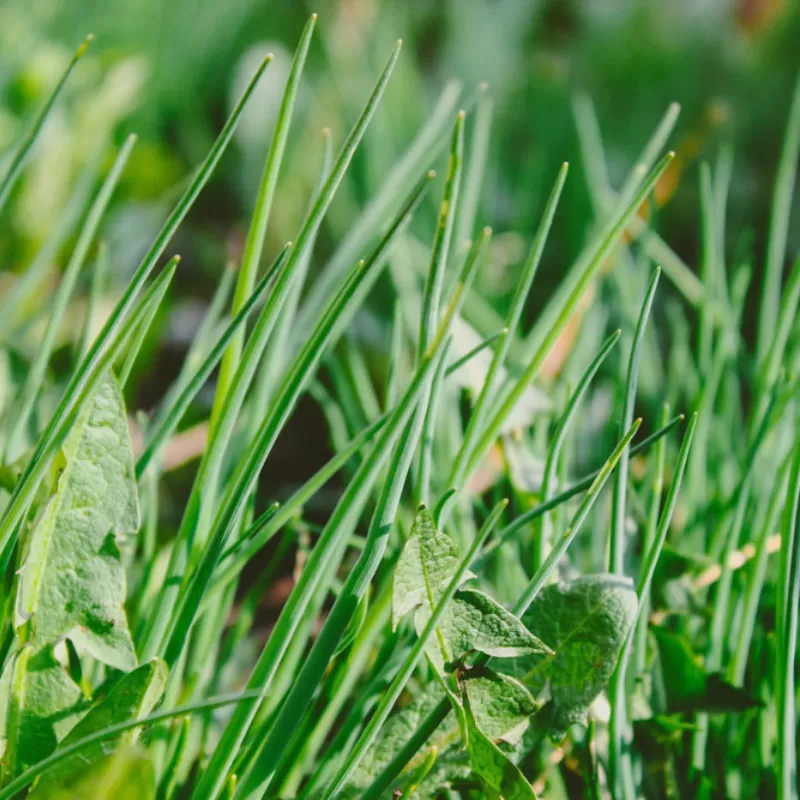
617 536
542 533
99 277
13 788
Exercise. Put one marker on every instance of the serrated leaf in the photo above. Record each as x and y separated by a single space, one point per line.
586 621
425 567
133 697
689 687
501 705
475 622
496 770
72 582
40 704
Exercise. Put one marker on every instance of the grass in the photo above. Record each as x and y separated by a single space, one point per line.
636 640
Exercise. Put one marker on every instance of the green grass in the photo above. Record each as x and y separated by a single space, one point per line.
586 610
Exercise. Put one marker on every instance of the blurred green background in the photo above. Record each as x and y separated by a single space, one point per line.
171 70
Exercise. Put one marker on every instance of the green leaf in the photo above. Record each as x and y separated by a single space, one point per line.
586 621
689 687
133 697
425 567
502 706
126 775
501 775
40 704
475 622
72 582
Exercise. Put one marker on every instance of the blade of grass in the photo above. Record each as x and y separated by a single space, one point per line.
542 531
650 537
709 262
24 147
778 231
431 298
617 532
98 283
479 348
786 626
619 740
475 168
274 359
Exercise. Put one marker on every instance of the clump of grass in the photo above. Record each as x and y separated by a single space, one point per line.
460 651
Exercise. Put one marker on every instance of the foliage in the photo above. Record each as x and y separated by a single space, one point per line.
449 601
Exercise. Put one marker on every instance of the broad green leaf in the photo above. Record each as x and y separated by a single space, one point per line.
128 774
72 581
586 621
689 687
133 697
502 707
425 567
40 704
475 622
496 770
